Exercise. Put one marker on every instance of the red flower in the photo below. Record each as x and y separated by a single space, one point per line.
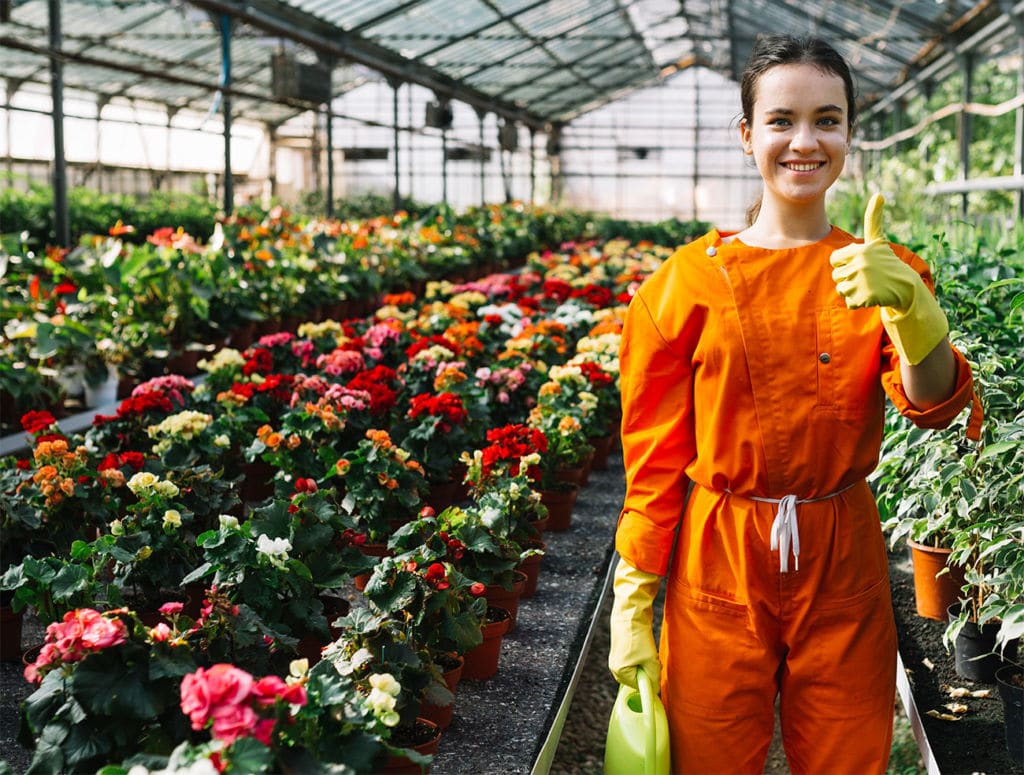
445 405
556 289
260 361
476 589
438 576
33 422
597 376
597 295
428 341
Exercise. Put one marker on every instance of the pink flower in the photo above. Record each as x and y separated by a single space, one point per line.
232 721
268 689
264 730
205 693
172 608
99 632
160 633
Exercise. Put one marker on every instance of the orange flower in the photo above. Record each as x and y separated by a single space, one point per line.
342 466
391 484
380 438
383 479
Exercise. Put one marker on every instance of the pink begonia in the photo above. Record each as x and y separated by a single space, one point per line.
203 691
264 730
267 689
380 334
304 349
172 608
340 361
81 632
232 721
160 633
171 385
273 340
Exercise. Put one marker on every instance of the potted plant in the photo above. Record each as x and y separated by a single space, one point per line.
383 485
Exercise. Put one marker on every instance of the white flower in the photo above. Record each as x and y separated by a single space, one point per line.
142 482
172 518
116 528
223 441
165 488
228 521
274 549
386 683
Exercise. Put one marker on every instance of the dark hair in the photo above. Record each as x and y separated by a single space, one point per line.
772 50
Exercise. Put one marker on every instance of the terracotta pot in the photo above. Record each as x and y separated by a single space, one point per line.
933 593
370 550
508 599
481 662
602 448
257 484
575 475
10 634
444 494
531 568
442 714
184 362
560 504
400 765
243 336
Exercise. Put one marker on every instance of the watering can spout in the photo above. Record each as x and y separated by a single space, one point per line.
637 740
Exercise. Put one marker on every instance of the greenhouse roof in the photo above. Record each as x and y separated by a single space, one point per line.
538 62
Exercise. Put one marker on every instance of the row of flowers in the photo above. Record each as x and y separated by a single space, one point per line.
258 491
73 314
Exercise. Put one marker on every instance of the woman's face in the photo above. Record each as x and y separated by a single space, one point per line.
798 134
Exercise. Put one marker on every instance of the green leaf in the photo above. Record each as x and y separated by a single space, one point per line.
997 449
247 754
111 683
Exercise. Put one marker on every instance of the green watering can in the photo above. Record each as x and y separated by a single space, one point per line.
637 741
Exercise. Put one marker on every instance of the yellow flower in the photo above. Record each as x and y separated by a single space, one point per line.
172 518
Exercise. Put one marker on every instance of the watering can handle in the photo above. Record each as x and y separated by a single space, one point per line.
643 683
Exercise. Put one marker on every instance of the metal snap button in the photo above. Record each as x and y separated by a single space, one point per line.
711 251
824 357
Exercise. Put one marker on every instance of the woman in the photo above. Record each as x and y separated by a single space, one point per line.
754 371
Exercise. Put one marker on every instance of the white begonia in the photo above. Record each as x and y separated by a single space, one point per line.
166 488
223 441
172 518
386 683
116 527
274 549
491 516
228 521
226 358
142 482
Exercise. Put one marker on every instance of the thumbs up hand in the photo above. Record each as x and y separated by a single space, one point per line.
870 274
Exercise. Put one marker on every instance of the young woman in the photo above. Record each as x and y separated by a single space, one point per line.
754 369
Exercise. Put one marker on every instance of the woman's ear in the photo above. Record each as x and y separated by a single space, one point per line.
748 147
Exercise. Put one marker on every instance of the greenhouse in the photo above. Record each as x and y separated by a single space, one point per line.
452 386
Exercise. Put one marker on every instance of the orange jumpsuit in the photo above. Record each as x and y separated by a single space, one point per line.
743 372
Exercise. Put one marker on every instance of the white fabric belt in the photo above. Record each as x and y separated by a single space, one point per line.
785 530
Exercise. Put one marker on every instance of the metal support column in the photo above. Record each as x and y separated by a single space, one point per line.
329 114
965 125
533 166
62 230
225 82
480 114
444 166
696 144
396 199
272 161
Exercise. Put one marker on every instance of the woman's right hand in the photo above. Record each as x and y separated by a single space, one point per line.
632 626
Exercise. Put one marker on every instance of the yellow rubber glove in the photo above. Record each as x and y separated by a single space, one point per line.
632 626
872 275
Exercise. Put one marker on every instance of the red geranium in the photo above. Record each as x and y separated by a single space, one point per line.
447 406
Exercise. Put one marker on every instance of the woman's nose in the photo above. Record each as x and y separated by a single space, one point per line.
804 138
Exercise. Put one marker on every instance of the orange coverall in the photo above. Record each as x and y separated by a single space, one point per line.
743 372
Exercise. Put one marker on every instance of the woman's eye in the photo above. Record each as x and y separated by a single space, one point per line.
829 122
779 122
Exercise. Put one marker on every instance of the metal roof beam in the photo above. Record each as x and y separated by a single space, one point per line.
337 42
987 34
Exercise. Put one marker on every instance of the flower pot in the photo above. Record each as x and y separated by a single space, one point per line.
576 475
103 393
531 569
933 593
481 662
444 494
508 599
257 481
442 714
10 634
243 336
560 504
1010 680
427 735
602 448
975 653
370 550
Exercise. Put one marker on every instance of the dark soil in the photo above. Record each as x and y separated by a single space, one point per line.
976 743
